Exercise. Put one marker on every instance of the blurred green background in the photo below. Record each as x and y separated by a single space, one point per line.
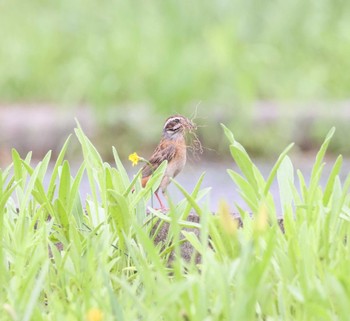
273 71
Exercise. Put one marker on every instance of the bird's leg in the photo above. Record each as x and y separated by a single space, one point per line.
162 207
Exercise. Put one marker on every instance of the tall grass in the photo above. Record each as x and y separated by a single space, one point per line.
65 259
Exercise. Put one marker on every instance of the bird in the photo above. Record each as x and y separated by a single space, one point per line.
172 148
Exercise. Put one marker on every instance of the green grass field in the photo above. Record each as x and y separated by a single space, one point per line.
170 55
108 267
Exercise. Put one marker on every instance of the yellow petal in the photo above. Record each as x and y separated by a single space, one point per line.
134 158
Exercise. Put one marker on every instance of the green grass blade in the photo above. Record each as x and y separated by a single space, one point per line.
151 185
228 134
275 169
121 168
43 166
194 195
331 180
54 175
113 300
38 286
189 198
285 178
246 190
193 239
303 187
168 219
74 191
133 182
122 214
317 168
6 194
94 164
90 152
65 185
245 164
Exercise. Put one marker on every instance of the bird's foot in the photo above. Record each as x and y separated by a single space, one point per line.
162 209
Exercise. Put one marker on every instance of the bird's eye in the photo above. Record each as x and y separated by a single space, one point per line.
177 120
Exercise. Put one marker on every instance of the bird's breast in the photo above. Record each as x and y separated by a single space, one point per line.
176 165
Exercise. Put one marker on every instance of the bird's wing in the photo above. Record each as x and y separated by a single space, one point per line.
164 151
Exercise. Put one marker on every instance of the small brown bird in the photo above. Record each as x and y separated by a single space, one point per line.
172 147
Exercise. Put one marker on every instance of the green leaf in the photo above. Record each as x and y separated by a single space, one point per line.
60 158
113 300
320 155
38 190
243 161
285 178
194 195
122 204
168 219
43 166
91 154
19 175
133 182
189 198
332 176
193 239
61 215
245 164
94 164
228 134
6 194
38 287
151 186
121 216
65 184
302 185
31 184
246 190
318 168
121 168
275 168
74 191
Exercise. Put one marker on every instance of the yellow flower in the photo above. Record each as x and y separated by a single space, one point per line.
94 314
134 158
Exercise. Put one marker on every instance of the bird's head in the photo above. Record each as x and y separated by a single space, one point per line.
176 126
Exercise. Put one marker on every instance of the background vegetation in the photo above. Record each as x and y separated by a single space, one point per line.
161 57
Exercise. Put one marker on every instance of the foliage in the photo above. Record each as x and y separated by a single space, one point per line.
170 54
62 258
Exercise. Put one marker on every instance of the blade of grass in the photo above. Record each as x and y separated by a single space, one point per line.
330 183
59 161
320 155
74 191
121 168
38 286
189 198
151 185
275 168
194 195
65 185
285 178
